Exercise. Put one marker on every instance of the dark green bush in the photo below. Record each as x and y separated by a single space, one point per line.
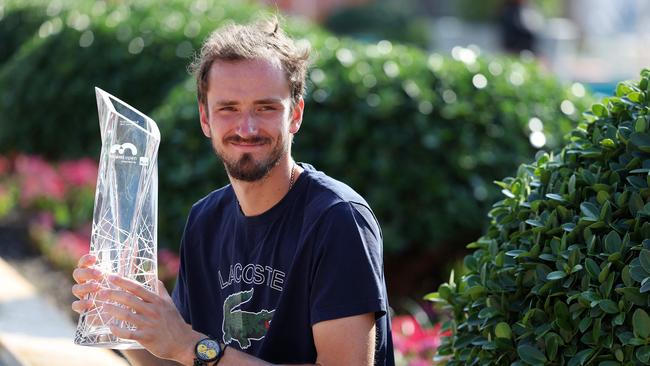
376 117
562 276
410 131
16 27
397 22
138 51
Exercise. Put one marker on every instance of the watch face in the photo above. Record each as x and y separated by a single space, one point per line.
207 350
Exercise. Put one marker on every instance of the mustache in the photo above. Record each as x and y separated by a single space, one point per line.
249 140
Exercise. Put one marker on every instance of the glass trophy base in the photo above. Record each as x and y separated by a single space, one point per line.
104 339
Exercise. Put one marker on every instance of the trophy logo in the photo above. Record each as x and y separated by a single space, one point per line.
125 217
121 149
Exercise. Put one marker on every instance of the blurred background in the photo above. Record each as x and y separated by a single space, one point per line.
423 103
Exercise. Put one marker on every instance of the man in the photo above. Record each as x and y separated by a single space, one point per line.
282 266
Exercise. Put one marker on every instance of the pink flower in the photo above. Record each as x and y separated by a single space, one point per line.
5 165
73 244
38 179
169 260
410 337
79 173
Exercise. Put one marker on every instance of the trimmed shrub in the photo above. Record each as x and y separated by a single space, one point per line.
562 276
138 51
418 135
409 131
16 27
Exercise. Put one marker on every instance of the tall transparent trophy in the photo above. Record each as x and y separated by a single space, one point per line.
125 216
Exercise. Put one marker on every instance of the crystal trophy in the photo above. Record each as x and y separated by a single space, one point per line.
125 216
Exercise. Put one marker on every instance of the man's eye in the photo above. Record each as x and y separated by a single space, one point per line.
227 109
267 108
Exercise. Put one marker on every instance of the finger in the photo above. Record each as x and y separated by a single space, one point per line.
125 333
133 287
86 260
126 315
80 290
81 306
125 298
82 275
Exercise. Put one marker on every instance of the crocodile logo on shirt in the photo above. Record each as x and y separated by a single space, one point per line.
244 326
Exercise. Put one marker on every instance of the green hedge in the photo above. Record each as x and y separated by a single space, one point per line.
138 52
420 136
376 117
562 276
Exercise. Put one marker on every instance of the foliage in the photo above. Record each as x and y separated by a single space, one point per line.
137 50
396 22
397 121
55 201
562 276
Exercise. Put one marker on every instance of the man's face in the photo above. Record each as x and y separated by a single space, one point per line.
249 117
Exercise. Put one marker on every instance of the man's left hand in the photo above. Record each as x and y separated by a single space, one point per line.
159 326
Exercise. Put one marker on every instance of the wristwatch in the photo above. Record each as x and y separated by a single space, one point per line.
206 351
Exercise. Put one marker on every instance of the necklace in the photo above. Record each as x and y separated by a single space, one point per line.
293 171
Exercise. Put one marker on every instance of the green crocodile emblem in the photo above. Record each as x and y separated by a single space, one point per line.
243 326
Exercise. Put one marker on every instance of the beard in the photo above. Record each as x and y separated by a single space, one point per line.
246 168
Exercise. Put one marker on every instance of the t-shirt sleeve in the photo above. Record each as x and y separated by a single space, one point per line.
347 276
179 294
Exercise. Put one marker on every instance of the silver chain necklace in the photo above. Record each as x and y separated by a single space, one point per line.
293 171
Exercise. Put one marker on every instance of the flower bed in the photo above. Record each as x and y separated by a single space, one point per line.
55 202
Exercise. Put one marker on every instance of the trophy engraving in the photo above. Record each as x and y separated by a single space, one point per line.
125 215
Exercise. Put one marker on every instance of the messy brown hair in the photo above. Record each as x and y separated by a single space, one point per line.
264 39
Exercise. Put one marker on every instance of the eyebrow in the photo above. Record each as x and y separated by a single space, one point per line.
223 103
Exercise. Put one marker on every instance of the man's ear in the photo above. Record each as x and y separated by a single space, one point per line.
203 117
296 116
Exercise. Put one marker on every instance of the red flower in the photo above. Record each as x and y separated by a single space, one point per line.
79 173
5 165
410 337
169 260
38 179
73 244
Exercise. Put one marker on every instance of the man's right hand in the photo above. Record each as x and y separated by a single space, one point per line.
88 281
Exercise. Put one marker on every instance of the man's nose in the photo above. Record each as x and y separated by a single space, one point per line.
247 126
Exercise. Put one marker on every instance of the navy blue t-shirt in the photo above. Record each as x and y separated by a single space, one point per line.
259 283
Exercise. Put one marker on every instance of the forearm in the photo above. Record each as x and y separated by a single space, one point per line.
233 357
142 357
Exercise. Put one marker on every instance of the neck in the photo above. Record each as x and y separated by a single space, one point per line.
257 197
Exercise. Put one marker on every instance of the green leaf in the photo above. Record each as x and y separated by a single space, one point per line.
613 242
640 125
590 211
556 275
599 110
609 363
644 259
502 330
643 354
592 268
531 355
581 357
641 141
641 324
555 197
608 306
